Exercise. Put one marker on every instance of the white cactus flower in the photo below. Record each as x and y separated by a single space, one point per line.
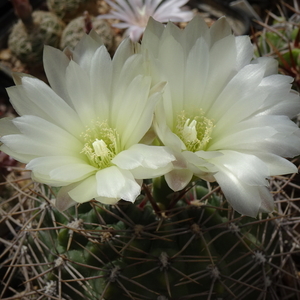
134 14
225 116
83 133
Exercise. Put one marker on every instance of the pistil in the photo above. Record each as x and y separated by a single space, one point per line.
195 131
101 144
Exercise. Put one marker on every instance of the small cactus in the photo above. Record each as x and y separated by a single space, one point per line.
32 32
75 30
70 9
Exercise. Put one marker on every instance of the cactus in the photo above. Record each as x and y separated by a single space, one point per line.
70 9
281 40
75 30
27 40
166 245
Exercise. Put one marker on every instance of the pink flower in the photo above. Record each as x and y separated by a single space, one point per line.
136 13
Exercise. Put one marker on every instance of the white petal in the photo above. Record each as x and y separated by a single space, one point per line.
173 71
242 139
244 51
115 183
151 37
52 107
281 99
101 79
195 29
8 127
55 65
41 138
219 30
164 132
85 191
242 180
79 89
289 104
34 97
208 154
276 164
270 64
178 179
21 157
127 72
284 142
175 31
245 199
64 168
24 105
98 42
141 173
199 166
132 116
107 200
269 127
240 98
18 77
196 75
267 202
246 168
145 161
85 49
285 145
276 80
123 52
135 33
46 179
143 124
63 200
139 155
220 70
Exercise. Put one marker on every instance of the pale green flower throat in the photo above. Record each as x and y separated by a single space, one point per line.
101 144
195 131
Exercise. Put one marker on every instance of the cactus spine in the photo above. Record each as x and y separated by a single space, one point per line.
186 246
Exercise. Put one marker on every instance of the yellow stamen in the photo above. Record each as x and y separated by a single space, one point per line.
101 144
195 131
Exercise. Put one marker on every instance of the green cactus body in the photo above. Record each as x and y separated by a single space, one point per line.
75 30
194 250
282 42
70 9
278 40
28 43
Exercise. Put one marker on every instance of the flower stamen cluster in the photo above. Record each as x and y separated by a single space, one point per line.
195 132
101 144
